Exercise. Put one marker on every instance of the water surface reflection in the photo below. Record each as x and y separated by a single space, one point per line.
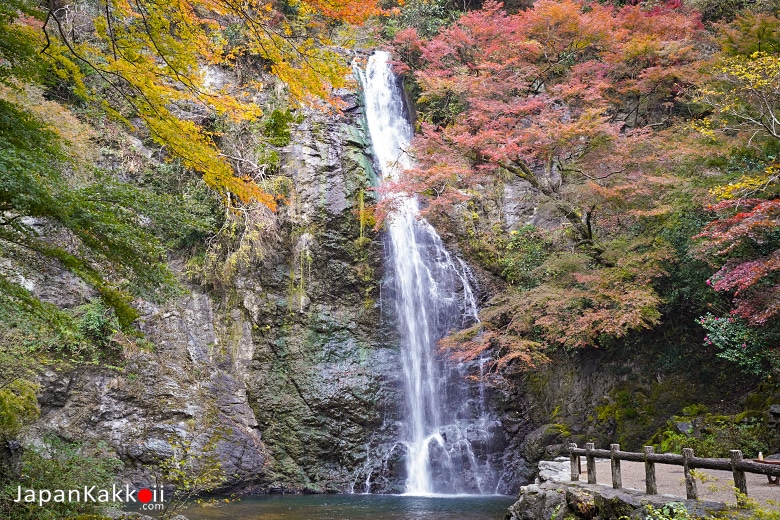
356 507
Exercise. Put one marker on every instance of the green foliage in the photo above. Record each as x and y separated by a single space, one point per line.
629 411
622 406
440 107
515 256
670 511
426 16
30 330
751 32
277 127
684 290
756 511
271 159
715 435
181 209
58 464
745 346
19 56
18 407
526 250
636 409
694 409
99 215
98 324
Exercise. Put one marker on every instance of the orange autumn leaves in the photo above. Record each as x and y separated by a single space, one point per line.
563 87
562 96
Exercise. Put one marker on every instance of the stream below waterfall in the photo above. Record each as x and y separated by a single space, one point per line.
355 507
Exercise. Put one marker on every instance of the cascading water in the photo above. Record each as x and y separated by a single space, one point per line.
431 294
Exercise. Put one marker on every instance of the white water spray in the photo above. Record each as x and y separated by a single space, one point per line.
431 293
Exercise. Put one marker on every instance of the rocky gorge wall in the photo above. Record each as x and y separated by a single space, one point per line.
287 374
289 371
322 381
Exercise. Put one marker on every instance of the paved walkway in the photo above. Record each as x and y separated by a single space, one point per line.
716 485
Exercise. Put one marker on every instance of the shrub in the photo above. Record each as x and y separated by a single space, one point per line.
745 346
715 436
59 465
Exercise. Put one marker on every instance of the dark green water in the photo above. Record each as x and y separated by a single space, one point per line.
356 507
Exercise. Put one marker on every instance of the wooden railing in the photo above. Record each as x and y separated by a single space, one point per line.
687 460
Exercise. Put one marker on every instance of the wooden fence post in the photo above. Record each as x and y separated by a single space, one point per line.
650 486
740 482
690 482
617 479
589 447
689 462
575 463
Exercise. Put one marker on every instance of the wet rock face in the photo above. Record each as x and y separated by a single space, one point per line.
477 445
324 375
186 393
10 459
290 376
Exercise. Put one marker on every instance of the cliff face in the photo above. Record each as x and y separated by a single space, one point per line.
187 394
283 367
285 373
322 380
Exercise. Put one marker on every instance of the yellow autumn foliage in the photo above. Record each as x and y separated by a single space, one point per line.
146 59
748 185
745 94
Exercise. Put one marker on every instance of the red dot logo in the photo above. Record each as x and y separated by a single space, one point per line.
144 495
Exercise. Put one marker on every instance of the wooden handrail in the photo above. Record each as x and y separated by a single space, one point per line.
687 460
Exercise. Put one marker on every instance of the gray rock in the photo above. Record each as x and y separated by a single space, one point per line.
536 442
774 416
537 503
683 426
177 395
554 470
10 459
579 501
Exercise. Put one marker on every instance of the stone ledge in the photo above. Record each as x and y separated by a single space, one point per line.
580 501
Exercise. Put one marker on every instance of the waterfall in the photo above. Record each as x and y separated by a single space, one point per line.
431 293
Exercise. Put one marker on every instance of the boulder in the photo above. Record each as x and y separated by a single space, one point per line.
579 501
535 443
558 470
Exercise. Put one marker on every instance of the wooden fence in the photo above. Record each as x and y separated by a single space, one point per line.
687 460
